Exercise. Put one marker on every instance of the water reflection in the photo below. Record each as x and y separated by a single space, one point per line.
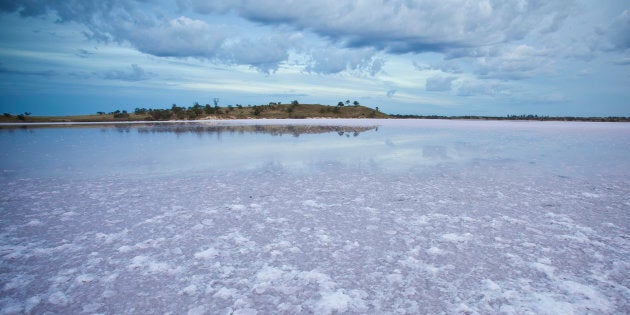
204 128
147 149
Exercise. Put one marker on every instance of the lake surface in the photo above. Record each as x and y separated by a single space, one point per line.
316 216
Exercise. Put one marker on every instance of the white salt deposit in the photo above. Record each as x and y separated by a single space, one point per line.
512 218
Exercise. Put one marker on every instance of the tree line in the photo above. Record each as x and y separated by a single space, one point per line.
518 117
196 111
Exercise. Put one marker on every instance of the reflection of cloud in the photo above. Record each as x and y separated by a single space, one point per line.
434 152
465 148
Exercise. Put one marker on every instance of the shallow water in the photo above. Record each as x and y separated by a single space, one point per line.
369 145
323 216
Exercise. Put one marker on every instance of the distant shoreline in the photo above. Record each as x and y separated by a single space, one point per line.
67 122
271 111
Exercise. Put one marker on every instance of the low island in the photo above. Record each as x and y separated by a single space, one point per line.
294 110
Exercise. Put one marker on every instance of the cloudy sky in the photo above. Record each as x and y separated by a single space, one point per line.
449 57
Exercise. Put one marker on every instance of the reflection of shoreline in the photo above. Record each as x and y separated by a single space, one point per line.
274 130
197 128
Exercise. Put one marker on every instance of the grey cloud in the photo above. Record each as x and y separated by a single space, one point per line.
458 28
180 37
513 63
402 26
152 33
263 54
149 32
556 22
135 73
43 73
439 83
622 62
619 31
84 53
391 93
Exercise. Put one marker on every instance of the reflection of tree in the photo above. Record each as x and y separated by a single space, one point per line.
201 128
275 130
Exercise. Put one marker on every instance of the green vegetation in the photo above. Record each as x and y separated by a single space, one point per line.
198 111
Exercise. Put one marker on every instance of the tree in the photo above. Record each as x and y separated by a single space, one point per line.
356 103
295 103
119 114
377 109
160 114
179 112
215 101
197 109
140 111
347 102
340 104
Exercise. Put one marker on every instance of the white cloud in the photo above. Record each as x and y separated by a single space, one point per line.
513 63
179 37
331 60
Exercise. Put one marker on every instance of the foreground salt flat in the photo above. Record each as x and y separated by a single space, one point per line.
487 235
